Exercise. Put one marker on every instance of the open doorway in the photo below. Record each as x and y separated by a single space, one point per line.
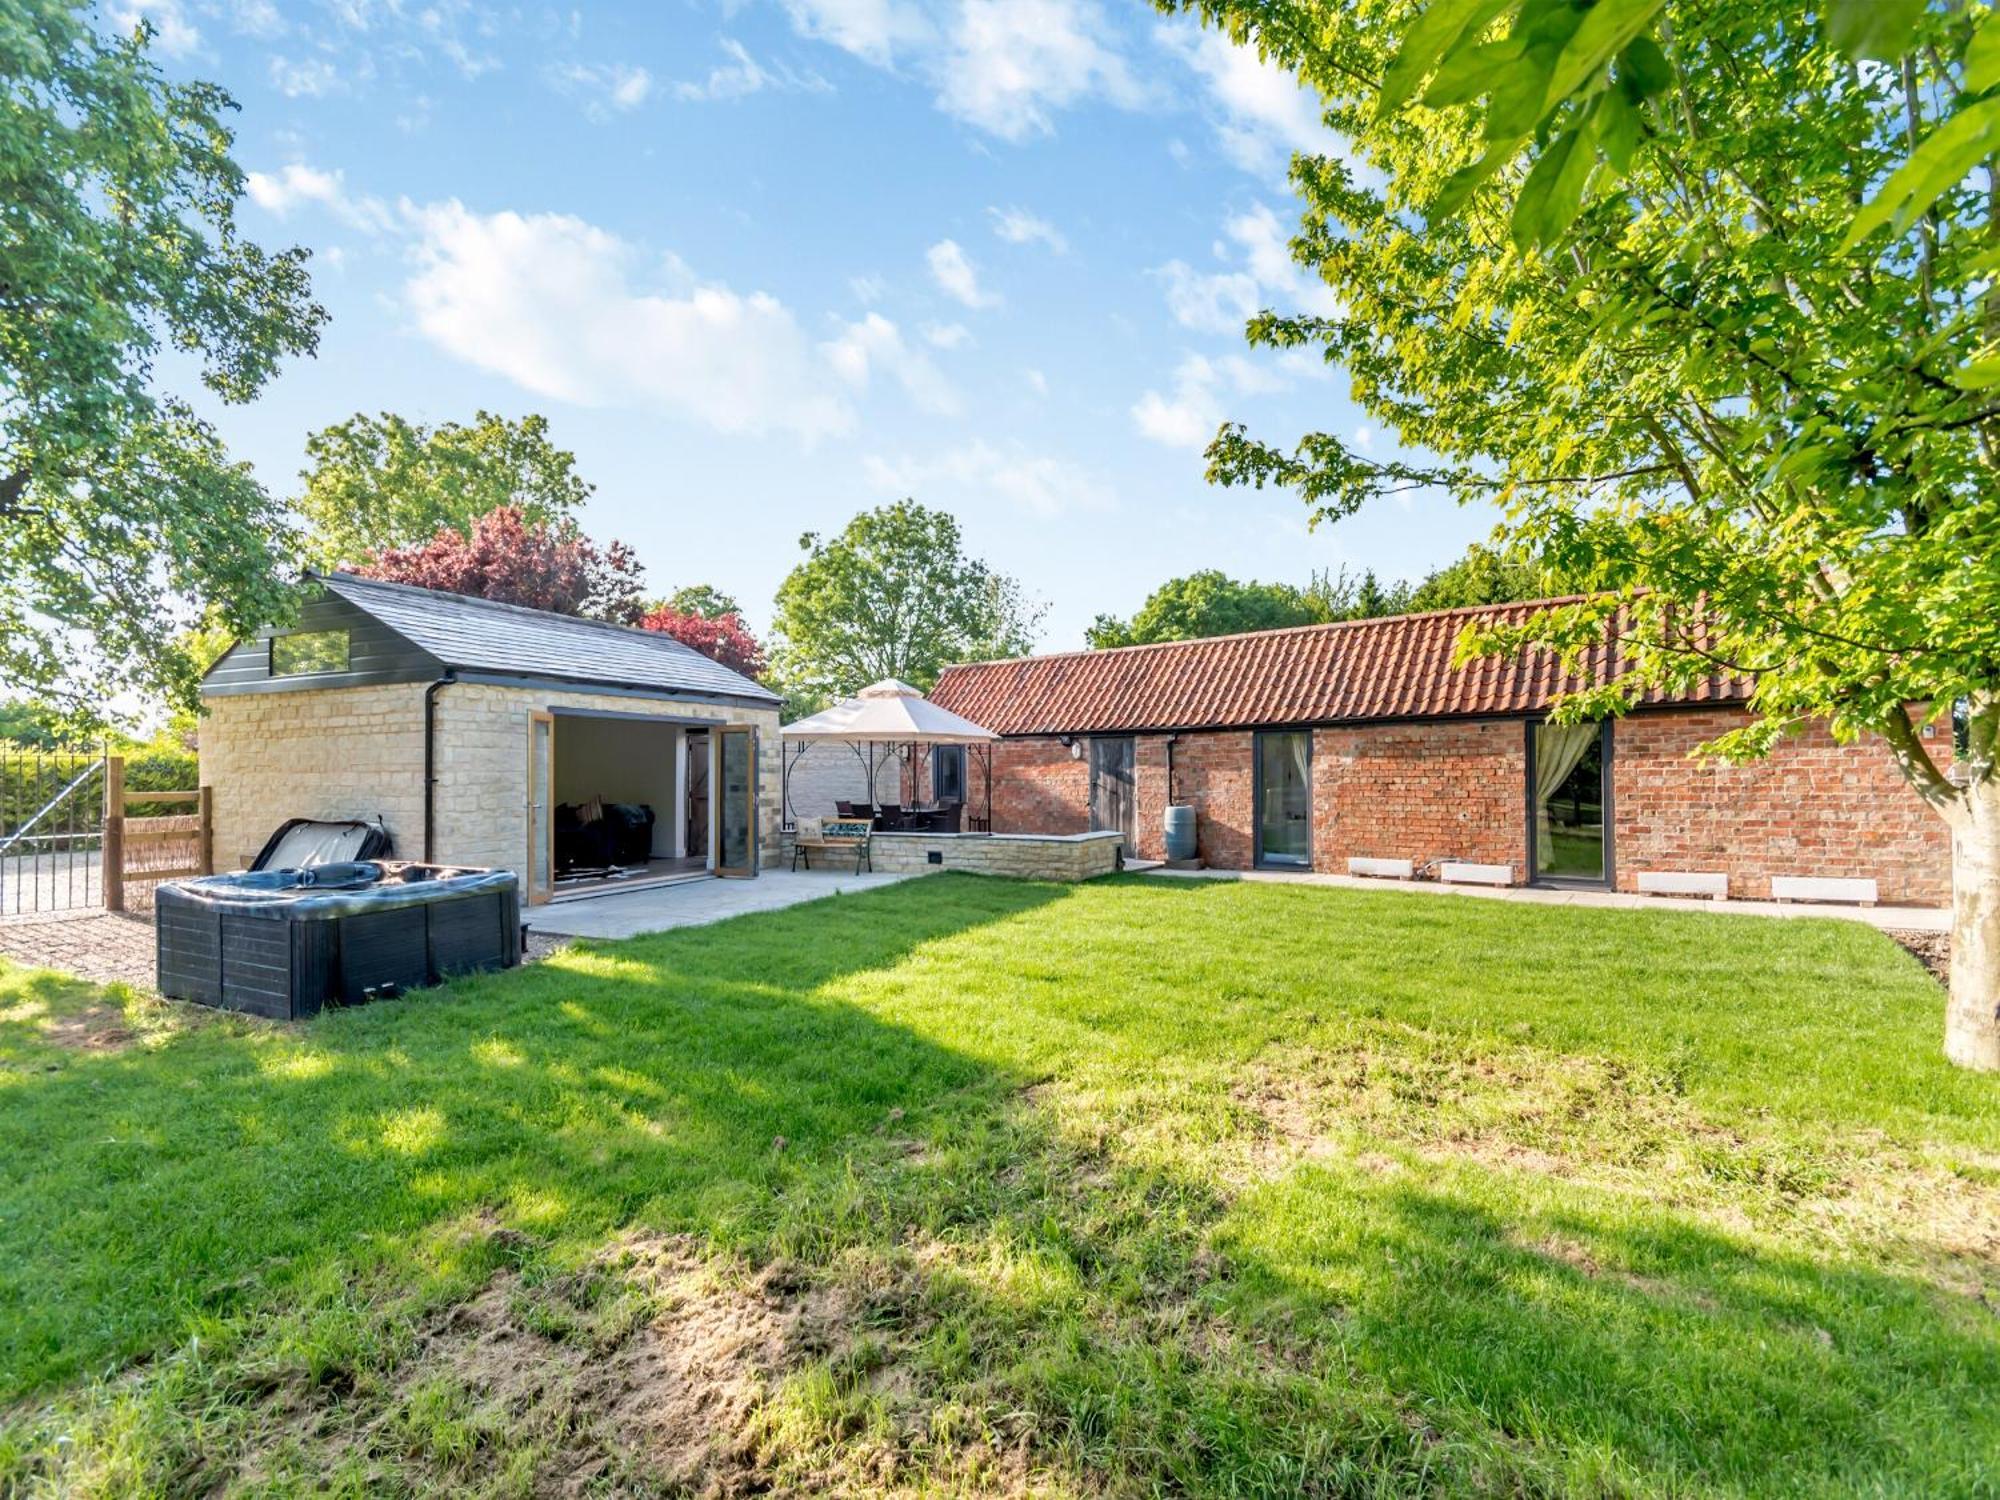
618 806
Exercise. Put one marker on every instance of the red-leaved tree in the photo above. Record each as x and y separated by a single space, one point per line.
725 637
506 558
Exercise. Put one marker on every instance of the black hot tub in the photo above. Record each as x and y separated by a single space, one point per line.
288 943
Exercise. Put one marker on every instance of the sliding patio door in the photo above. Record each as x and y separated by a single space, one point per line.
735 783
1284 799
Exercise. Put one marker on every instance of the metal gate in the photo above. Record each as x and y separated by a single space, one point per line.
67 842
51 830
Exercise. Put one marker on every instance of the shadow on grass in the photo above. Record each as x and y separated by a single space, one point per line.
1134 1328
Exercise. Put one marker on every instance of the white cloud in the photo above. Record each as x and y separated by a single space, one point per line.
1019 227
1223 301
874 344
877 31
258 18
946 335
953 270
1263 112
307 78
296 183
743 75
1187 416
1003 66
175 34
867 289
1010 62
1038 483
1218 302
1037 381
604 90
550 302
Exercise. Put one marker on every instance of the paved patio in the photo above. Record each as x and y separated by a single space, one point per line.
1889 918
92 944
630 913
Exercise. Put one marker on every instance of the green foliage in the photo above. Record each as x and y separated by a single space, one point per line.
1485 575
1203 604
122 518
1210 603
375 483
892 595
1751 441
1140 1187
700 599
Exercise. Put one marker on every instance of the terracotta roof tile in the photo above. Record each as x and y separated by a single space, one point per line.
1394 668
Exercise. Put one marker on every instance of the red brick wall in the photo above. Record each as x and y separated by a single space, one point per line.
1037 788
1423 792
1436 791
1814 807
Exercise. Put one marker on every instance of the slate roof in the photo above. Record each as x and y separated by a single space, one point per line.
1353 672
479 635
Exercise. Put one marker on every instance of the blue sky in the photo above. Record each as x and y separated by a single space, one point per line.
765 265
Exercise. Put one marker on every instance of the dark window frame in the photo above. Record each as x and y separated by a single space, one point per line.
940 756
1609 880
1257 857
346 655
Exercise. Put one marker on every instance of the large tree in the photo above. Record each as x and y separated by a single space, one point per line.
122 518
1612 265
379 482
724 637
1206 603
892 595
508 558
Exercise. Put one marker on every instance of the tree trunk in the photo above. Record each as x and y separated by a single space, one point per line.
1972 1019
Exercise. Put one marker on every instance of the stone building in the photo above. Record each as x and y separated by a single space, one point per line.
1359 747
488 734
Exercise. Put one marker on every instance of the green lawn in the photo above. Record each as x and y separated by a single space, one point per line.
1143 1186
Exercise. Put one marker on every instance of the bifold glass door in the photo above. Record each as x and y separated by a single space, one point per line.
1284 798
541 806
735 783
1569 830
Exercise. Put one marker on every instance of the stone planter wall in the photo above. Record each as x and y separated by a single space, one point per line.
1023 856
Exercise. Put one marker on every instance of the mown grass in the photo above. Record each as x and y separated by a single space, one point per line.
1136 1187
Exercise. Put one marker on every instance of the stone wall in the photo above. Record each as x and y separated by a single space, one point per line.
1814 807
482 743
339 753
828 773
359 752
1021 856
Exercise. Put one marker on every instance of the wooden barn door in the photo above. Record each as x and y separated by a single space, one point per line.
1113 759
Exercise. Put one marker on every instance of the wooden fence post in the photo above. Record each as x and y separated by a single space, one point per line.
113 842
205 811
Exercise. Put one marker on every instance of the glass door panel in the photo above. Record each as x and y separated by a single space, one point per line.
1284 798
736 802
541 806
1569 802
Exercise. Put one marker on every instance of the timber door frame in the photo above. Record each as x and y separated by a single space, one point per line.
1129 824
536 890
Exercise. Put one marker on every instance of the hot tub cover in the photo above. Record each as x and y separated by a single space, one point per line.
299 842
346 889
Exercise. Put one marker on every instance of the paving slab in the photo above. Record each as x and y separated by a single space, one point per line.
629 913
1893 918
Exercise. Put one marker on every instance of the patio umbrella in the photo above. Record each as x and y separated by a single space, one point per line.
888 712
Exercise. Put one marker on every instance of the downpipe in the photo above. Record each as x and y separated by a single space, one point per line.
430 764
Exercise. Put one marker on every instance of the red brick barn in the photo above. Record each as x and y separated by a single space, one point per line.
1313 747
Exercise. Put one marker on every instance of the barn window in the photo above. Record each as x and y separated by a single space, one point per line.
308 651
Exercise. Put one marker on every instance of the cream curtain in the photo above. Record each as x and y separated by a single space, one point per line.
1558 749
